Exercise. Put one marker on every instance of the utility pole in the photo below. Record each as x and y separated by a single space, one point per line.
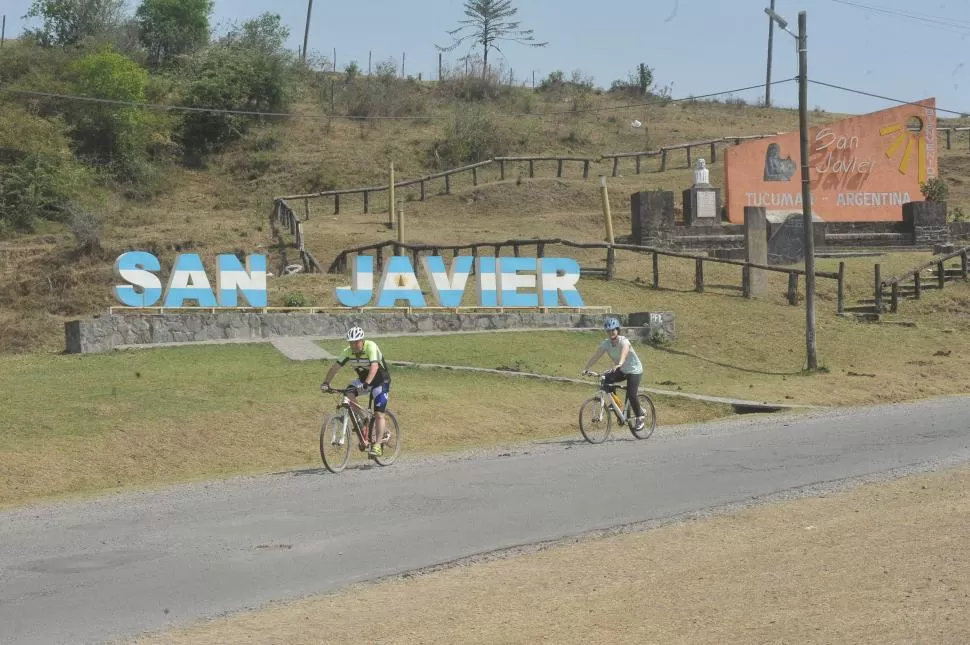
807 222
306 31
806 192
771 38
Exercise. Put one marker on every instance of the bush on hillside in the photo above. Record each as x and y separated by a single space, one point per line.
248 71
39 176
116 137
470 136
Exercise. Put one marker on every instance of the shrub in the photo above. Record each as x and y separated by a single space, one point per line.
471 136
232 77
935 190
86 227
295 300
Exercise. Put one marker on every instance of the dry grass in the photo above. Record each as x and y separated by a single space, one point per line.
877 564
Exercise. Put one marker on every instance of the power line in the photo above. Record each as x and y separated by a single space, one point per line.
952 23
884 98
184 108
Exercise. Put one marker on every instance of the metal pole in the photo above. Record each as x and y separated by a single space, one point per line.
306 31
771 38
806 192
3 30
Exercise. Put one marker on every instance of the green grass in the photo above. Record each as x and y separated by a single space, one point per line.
88 424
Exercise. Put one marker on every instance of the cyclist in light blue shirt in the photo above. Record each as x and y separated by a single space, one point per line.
626 365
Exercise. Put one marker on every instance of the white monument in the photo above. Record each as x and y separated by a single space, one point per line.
701 173
702 202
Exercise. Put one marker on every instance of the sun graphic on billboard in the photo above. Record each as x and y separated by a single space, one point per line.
912 135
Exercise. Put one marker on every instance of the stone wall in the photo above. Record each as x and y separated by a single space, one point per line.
111 331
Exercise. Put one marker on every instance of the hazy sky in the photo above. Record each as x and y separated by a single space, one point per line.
904 50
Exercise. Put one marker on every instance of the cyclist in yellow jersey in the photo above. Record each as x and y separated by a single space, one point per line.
626 365
372 376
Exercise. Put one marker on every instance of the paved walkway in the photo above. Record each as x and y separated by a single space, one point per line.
301 349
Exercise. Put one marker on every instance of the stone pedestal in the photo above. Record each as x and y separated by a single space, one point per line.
652 217
702 206
756 249
927 221
655 327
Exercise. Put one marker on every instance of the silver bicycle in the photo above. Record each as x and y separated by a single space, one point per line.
597 412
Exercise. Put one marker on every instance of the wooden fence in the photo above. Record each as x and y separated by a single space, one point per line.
341 262
896 283
284 217
947 133
663 152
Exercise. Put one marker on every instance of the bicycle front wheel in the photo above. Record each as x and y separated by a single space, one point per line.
391 444
649 417
595 421
335 437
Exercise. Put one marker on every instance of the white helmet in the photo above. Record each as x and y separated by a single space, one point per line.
355 333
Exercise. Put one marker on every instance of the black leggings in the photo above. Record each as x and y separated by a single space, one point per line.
632 387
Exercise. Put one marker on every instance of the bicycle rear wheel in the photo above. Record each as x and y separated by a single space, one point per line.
649 417
391 447
595 421
335 437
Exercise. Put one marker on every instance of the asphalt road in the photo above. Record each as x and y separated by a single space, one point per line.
114 567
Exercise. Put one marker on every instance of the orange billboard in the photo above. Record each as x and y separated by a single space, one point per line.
862 168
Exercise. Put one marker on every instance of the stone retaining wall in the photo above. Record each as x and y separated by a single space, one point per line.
111 331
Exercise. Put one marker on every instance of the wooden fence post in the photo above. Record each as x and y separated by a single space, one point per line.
306 207
656 271
941 274
793 288
699 275
963 264
713 152
638 164
689 164
336 204
532 170
894 299
663 160
559 168
422 189
540 250
877 279
746 281
840 298
447 184
474 176
501 169
586 169
380 259
917 286
366 202
610 262
948 138
616 166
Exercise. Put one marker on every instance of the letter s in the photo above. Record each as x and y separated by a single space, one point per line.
136 267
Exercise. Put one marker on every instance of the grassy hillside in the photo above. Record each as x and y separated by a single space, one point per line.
221 202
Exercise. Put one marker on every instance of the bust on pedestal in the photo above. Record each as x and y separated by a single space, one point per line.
702 202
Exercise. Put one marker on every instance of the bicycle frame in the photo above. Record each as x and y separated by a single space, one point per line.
604 395
356 415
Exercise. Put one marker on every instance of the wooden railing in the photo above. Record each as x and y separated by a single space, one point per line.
284 217
948 134
688 147
341 261
503 162
895 284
